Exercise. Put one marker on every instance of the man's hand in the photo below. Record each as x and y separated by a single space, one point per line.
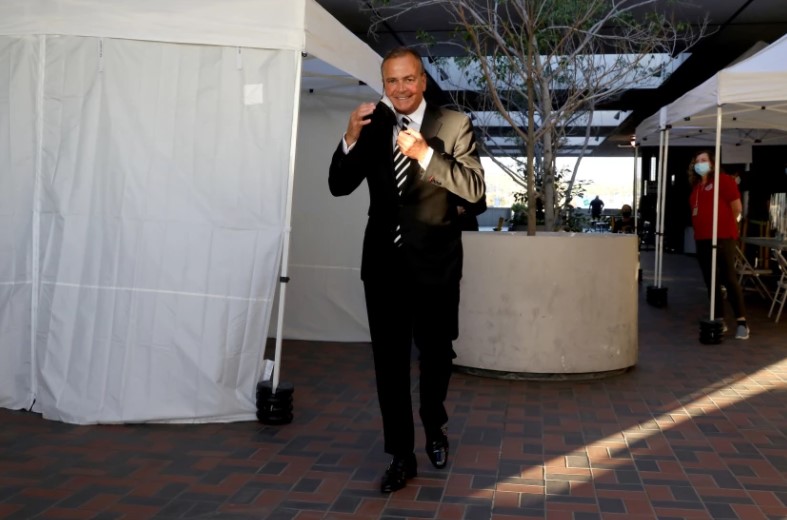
358 119
412 144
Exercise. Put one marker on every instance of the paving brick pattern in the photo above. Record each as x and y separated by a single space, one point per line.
693 432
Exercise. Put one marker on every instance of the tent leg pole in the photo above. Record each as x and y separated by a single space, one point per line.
711 330
274 399
634 206
655 294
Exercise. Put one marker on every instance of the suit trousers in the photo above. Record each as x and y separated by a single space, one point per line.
402 312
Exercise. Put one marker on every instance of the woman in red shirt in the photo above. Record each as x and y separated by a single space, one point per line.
701 177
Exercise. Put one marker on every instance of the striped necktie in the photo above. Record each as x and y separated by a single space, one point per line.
401 163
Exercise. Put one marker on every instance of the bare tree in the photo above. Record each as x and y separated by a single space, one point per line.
543 66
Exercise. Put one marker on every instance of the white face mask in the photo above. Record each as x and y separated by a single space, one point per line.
702 168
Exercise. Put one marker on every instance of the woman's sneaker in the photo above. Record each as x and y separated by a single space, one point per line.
742 332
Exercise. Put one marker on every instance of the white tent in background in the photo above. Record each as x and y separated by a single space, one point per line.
753 94
147 159
325 300
740 106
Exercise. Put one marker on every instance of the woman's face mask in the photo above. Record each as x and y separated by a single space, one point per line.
702 168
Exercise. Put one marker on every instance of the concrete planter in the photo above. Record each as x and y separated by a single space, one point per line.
554 305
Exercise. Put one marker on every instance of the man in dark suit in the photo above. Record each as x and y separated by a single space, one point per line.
412 249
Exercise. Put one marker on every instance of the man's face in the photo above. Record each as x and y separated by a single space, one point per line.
404 83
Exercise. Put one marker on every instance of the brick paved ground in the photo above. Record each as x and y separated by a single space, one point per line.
693 432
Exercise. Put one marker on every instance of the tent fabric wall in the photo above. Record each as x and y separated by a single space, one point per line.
163 181
20 57
325 300
147 163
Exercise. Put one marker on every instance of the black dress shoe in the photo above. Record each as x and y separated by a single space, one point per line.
437 449
398 472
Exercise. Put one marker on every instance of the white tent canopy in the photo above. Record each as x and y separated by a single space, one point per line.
752 93
147 152
296 25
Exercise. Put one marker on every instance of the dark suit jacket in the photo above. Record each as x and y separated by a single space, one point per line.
426 211
468 221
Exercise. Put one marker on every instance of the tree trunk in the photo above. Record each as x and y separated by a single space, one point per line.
548 169
531 143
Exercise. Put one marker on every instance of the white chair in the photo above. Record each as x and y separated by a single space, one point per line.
749 275
781 286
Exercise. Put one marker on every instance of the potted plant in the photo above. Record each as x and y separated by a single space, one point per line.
518 219
570 221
